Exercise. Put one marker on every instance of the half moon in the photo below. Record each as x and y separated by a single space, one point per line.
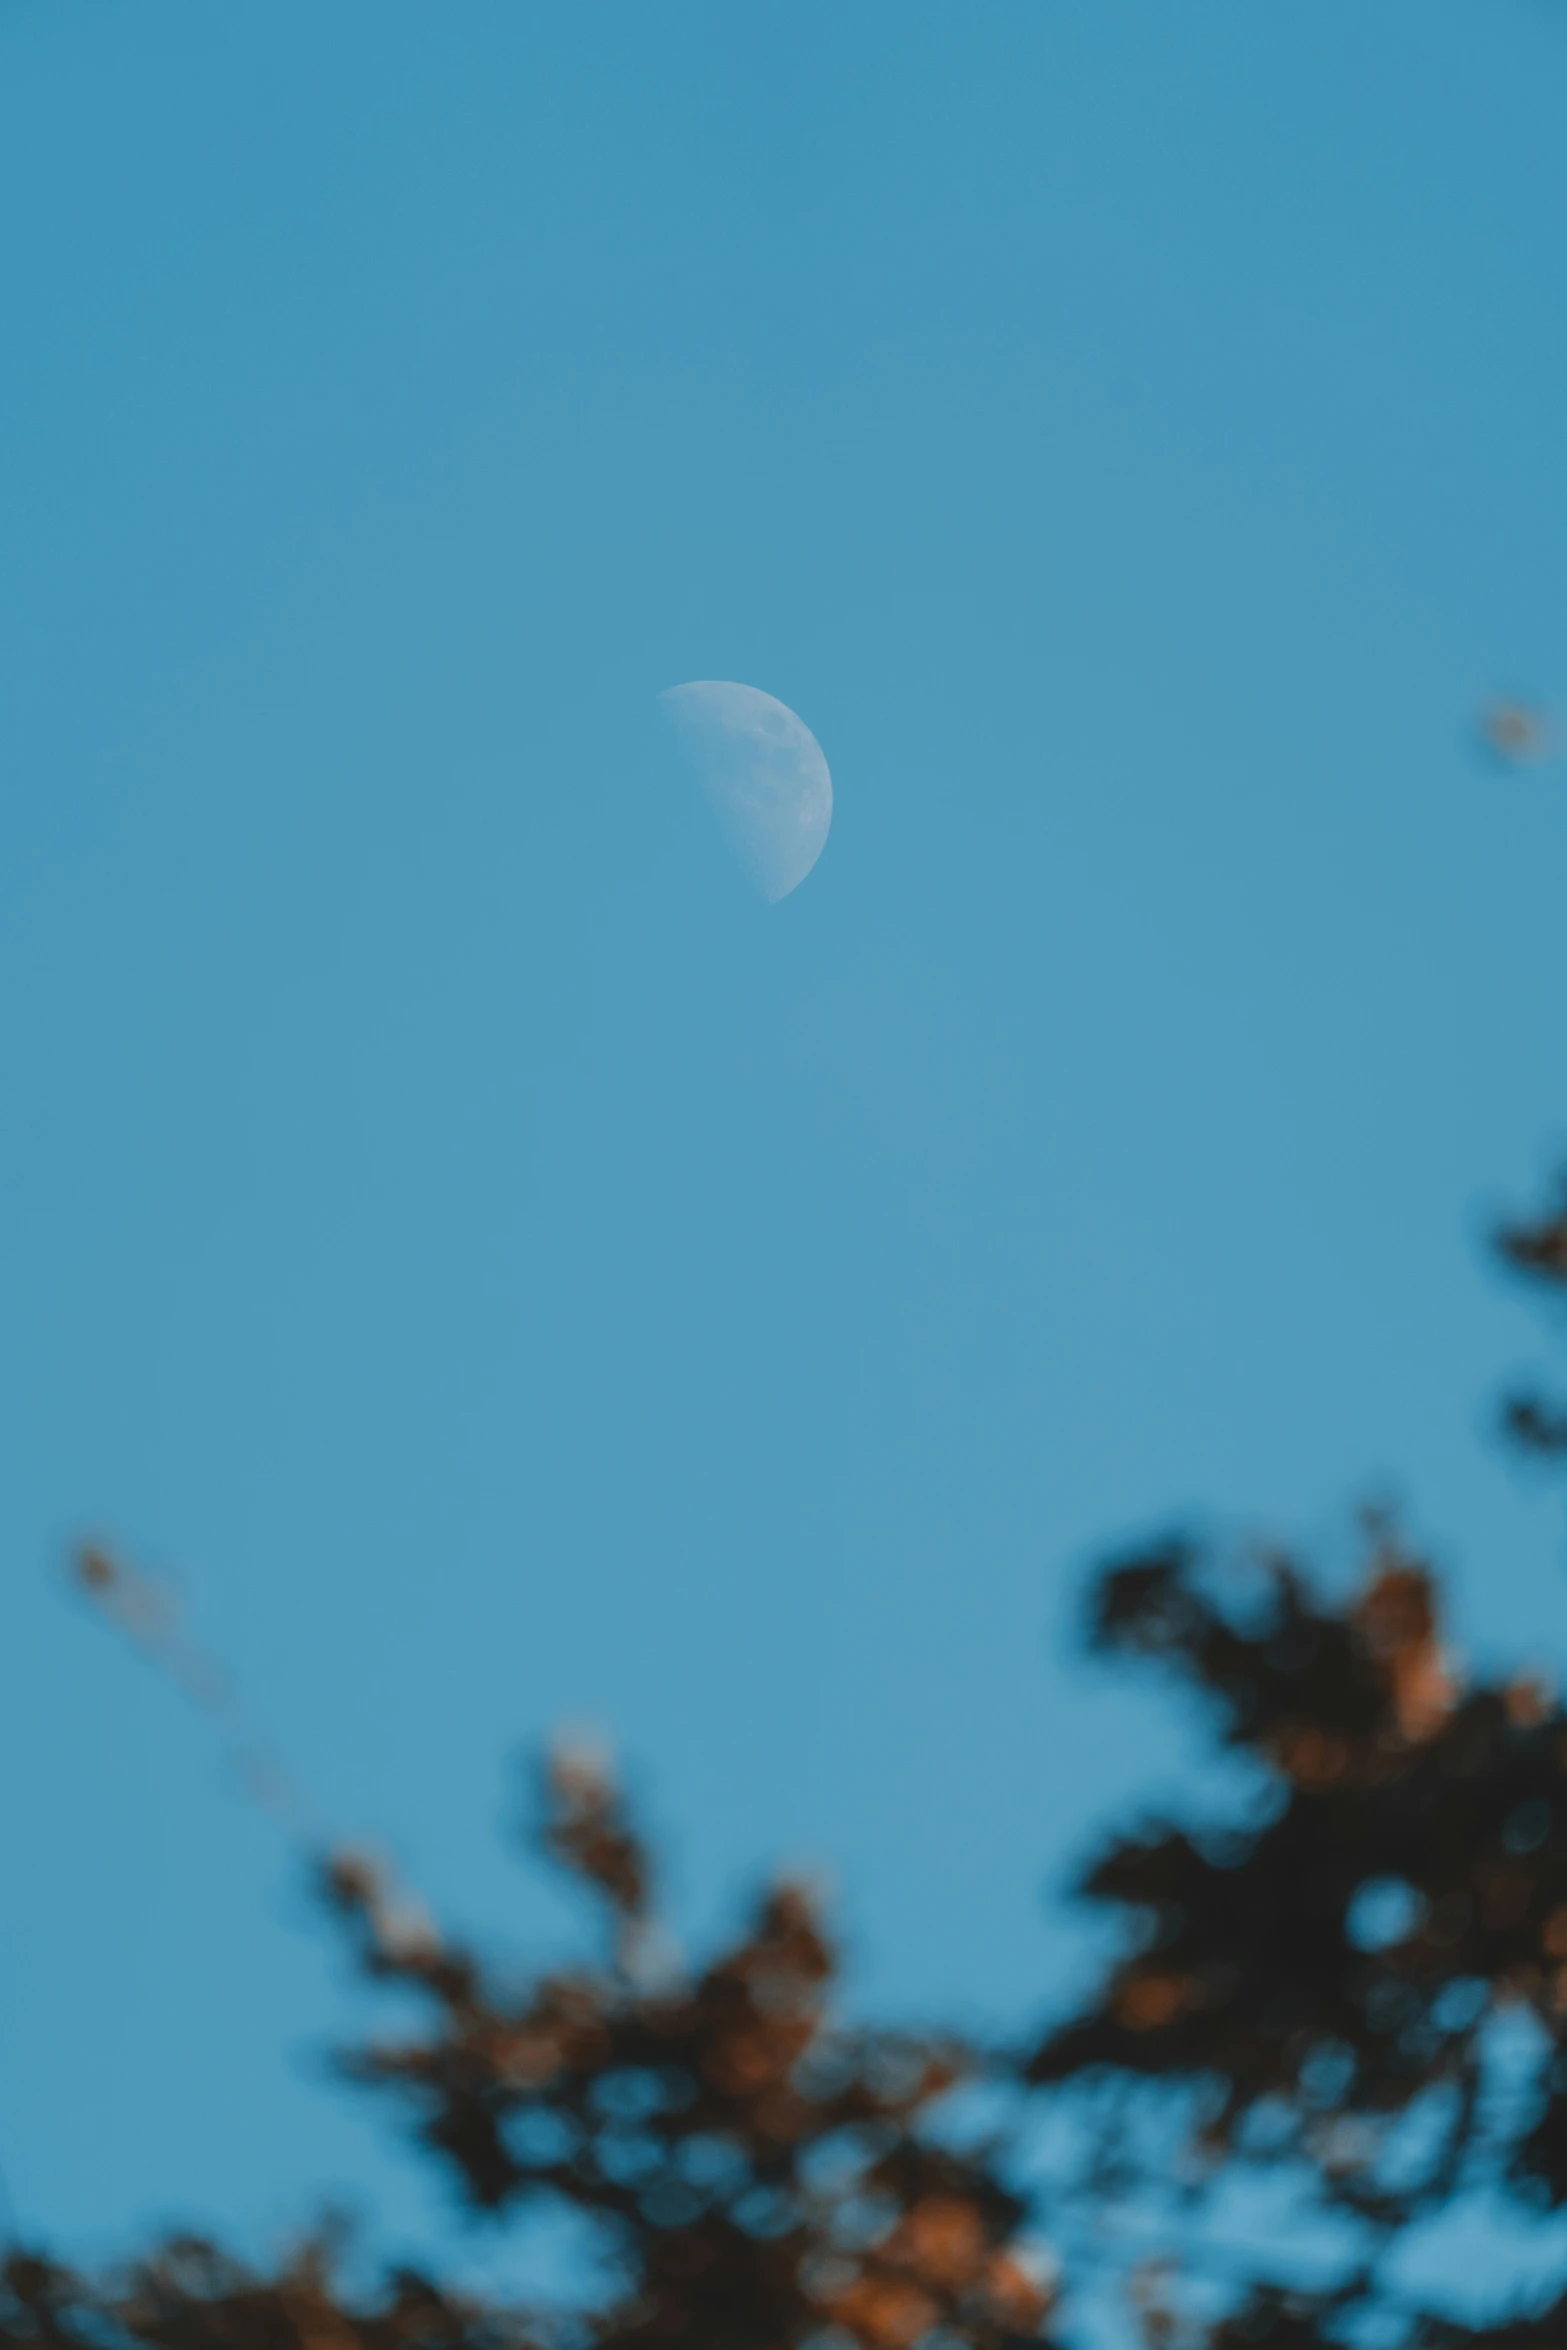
764 775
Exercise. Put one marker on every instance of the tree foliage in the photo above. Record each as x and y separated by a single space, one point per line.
1334 2013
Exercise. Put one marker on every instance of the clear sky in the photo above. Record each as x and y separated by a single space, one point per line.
505 1271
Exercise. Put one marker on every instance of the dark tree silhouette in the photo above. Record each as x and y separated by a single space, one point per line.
1334 2016
1358 1985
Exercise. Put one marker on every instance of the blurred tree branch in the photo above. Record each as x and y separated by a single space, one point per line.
1356 1985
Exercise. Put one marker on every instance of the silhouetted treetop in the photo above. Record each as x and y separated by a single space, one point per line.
757 2170
1326 1971
1352 1982
1381 1777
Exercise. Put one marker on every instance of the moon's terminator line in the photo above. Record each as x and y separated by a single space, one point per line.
764 775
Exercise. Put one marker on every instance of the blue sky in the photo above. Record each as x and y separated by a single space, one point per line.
505 1272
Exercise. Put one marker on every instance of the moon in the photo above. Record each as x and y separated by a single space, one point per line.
764 775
